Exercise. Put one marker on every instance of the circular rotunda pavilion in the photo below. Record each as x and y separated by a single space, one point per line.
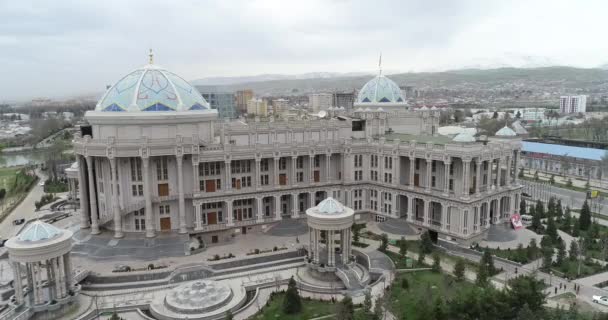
41 252
330 219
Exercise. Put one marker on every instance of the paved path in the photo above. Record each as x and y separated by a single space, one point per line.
26 210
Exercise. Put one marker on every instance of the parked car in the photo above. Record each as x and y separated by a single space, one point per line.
601 300
18 221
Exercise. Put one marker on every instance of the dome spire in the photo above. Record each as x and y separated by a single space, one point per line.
380 65
150 57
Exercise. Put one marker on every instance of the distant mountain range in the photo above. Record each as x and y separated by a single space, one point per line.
544 79
222 81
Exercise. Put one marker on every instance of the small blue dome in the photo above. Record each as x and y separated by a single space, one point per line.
330 206
151 88
38 231
505 132
380 90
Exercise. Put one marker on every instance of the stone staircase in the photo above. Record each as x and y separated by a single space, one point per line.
349 277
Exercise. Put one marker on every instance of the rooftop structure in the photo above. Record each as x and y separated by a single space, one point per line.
563 150
505 132
380 90
151 88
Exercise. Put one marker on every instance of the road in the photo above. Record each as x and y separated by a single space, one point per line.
574 199
26 209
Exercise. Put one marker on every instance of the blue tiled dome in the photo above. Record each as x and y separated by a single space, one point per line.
151 88
38 231
506 132
380 90
330 206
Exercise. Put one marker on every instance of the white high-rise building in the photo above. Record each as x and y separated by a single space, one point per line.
257 107
320 101
280 106
573 104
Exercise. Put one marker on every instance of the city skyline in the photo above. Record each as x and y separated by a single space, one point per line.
77 48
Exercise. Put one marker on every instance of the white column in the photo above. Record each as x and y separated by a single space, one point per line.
115 202
197 216
491 184
51 276
444 216
275 169
446 179
330 247
82 194
17 284
277 207
229 213
60 279
294 181
516 168
196 179
150 232
410 208
259 211
311 162
294 206
466 176
92 196
478 163
396 170
412 171
228 175
429 169
317 256
257 173
498 172
180 191
327 167
509 176
39 282
428 206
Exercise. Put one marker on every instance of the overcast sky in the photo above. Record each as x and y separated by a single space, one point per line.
63 48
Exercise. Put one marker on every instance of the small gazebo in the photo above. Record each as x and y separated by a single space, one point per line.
41 253
333 219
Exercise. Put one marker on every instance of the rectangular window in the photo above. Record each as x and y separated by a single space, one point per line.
164 209
317 161
161 169
264 165
451 185
300 176
433 181
433 166
283 163
136 169
300 162
264 180
417 164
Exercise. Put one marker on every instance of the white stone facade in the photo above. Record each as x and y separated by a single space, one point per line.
185 172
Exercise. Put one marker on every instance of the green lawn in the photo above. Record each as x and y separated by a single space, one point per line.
310 309
570 269
55 186
400 263
424 288
7 177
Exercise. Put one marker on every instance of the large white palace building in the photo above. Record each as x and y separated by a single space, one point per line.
154 158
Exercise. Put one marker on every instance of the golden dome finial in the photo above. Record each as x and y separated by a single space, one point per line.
151 56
